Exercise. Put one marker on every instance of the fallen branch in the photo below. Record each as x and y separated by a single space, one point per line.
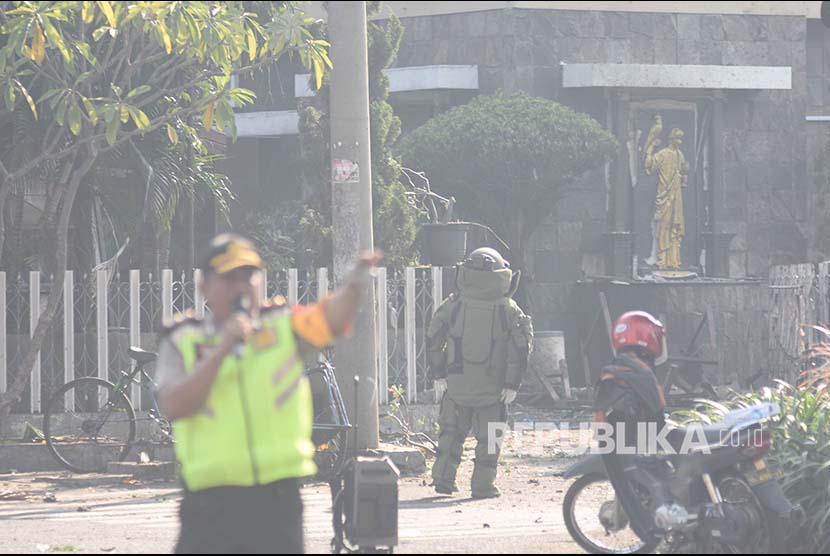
410 437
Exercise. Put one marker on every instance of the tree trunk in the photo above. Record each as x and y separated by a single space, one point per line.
12 396
522 238
163 243
4 193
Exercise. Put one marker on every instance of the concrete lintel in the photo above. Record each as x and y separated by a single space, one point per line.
267 124
414 78
674 76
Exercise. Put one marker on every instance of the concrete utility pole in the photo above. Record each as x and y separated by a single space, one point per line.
351 201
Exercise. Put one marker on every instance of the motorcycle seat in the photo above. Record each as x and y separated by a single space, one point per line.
713 435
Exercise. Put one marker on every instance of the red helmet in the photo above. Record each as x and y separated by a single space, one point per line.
640 329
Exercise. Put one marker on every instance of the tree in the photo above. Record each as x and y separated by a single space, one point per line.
507 159
394 218
104 79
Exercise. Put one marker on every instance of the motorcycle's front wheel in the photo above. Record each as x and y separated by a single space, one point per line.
596 521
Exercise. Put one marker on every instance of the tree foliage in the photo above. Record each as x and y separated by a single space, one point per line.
507 159
92 81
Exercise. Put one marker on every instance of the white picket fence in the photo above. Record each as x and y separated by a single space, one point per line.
102 315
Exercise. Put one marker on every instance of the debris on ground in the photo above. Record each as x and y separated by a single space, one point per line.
11 496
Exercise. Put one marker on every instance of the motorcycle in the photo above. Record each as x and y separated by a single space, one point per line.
720 496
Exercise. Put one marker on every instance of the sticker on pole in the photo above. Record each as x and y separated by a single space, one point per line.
345 171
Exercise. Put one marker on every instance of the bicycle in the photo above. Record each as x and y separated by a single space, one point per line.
103 416
331 426
93 412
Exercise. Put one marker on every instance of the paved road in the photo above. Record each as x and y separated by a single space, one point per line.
149 521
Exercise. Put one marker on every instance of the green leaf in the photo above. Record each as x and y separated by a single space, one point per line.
224 115
10 97
280 46
251 45
324 55
207 116
241 96
83 77
112 130
88 12
60 113
50 95
85 51
140 119
140 90
38 49
106 9
107 112
165 38
172 134
90 111
318 72
57 40
99 32
75 119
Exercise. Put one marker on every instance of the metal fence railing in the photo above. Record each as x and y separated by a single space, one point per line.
799 301
101 315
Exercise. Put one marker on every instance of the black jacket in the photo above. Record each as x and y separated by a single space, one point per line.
629 387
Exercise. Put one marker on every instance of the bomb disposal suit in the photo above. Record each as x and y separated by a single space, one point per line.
479 342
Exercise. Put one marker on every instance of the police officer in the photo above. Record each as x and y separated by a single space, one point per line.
479 343
233 384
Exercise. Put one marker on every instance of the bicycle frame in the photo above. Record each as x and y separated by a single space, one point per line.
335 405
139 376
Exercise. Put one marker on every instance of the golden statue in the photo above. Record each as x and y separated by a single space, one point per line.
668 226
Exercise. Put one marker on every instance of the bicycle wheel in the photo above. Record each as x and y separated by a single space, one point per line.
89 423
331 455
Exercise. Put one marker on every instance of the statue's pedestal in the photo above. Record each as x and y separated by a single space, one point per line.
646 271
674 274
